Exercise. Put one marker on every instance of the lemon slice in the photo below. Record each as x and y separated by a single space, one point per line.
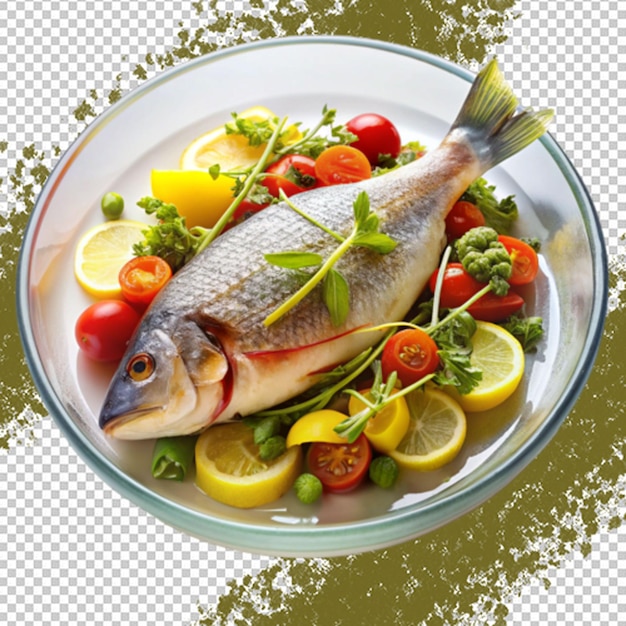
100 254
232 152
229 469
436 431
500 357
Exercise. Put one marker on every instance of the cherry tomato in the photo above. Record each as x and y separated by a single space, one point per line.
245 209
340 466
376 136
143 277
104 329
524 258
463 217
412 354
342 164
492 308
458 286
293 173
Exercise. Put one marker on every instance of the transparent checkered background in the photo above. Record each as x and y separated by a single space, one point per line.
70 545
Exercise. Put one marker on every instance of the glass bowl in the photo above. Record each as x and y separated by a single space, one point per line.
150 126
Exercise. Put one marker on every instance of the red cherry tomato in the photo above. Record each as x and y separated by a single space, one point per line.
492 308
342 164
340 466
412 354
245 209
376 136
143 277
458 286
293 173
463 217
104 329
524 258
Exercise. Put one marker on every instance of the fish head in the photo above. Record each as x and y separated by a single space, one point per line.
171 381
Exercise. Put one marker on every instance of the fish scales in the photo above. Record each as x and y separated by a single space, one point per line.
202 353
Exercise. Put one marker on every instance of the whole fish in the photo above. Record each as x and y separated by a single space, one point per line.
202 353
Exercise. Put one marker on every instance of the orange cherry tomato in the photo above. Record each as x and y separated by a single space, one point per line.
342 164
143 277
524 258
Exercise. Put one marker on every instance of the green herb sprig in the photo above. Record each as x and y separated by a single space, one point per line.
335 289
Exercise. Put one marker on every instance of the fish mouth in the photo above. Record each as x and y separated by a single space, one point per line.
125 425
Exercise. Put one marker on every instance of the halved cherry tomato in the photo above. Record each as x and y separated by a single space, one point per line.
458 286
104 329
376 136
342 164
143 277
492 308
293 173
411 353
340 466
524 258
463 217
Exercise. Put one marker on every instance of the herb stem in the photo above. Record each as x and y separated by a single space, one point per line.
439 284
293 300
249 183
456 312
307 217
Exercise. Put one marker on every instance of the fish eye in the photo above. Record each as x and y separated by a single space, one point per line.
140 366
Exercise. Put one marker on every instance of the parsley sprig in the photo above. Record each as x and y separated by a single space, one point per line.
335 289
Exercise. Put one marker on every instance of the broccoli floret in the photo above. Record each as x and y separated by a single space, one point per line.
485 258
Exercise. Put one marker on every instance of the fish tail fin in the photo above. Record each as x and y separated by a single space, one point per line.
497 129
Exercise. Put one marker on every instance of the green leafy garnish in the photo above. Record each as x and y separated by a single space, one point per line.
527 330
170 239
335 288
499 214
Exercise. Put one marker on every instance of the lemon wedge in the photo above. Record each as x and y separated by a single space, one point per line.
316 426
229 469
100 254
199 198
387 427
436 432
500 357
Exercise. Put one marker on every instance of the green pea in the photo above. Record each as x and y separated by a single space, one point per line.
308 488
112 205
384 471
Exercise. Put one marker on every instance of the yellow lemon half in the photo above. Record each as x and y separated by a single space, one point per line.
385 429
316 426
229 469
100 254
500 357
436 432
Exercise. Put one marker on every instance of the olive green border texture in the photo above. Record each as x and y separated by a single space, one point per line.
471 570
